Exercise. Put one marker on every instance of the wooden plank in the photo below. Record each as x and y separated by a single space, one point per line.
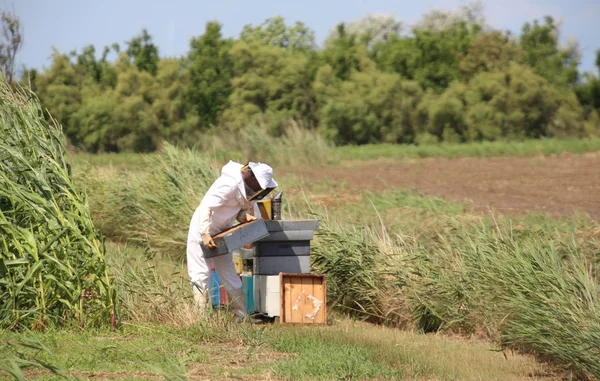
320 296
285 298
324 305
282 298
295 299
307 305
263 211
312 291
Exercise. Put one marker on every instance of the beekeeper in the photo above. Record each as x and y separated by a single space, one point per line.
227 200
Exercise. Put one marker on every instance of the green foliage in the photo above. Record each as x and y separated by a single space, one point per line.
210 72
272 88
341 54
512 104
144 54
52 268
452 79
432 58
369 107
519 104
588 91
490 52
274 32
362 275
545 57
530 292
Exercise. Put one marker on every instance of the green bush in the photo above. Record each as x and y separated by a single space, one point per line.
52 268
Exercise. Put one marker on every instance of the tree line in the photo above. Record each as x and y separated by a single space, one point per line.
451 77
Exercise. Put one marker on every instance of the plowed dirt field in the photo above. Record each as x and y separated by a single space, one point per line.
558 184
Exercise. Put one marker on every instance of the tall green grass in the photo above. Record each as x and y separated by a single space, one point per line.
529 283
52 267
365 273
153 290
152 208
527 291
479 149
531 286
296 147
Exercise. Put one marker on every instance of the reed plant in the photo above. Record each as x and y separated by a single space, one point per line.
151 209
52 267
297 146
525 291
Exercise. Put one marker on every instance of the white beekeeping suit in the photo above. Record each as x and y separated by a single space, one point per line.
225 202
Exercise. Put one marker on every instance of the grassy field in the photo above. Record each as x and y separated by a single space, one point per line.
220 349
502 297
484 149
310 149
159 337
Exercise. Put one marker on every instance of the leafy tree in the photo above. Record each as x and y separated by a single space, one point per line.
11 43
432 58
588 90
169 105
442 117
274 32
370 107
272 88
514 103
341 53
518 104
373 29
59 90
210 72
491 51
470 14
544 55
94 71
142 51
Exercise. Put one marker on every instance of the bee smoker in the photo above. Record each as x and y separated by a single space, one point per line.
276 206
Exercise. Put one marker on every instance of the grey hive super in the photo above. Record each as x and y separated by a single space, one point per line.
237 237
286 249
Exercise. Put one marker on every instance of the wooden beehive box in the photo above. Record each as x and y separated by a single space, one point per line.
303 298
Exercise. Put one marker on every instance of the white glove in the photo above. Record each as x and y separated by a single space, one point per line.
208 241
245 216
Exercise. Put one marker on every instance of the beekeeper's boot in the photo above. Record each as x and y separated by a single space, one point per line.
238 306
201 300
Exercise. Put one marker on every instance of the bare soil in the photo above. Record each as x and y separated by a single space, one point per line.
559 185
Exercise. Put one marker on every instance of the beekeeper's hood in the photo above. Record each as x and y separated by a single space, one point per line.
264 175
232 169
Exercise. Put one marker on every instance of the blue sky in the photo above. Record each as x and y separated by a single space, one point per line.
72 24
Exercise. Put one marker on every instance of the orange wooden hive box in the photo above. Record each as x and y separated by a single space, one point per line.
303 298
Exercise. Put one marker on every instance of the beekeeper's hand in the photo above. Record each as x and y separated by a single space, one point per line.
208 241
245 216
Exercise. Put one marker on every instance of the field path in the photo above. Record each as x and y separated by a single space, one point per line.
555 184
